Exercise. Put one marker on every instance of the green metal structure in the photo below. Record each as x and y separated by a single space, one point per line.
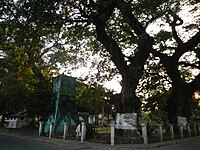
64 94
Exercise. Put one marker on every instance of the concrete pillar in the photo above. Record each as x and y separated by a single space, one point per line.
50 130
189 130
161 132
144 132
171 131
83 131
65 130
112 136
40 127
181 131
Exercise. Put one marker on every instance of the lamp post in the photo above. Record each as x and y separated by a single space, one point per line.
97 103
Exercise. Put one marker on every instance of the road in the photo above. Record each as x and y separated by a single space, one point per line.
8 142
193 144
16 143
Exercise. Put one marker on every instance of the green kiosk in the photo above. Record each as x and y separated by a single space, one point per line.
64 94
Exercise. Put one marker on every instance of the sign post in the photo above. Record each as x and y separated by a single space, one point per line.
65 130
126 121
112 138
40 128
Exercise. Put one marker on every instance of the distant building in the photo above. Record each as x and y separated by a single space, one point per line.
18 120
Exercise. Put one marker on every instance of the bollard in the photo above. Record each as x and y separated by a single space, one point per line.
181 131
50 130
65 130
83 130
144 133
172 131
189 130
112 136
161 132
40 128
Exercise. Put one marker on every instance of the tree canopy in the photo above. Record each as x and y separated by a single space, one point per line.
119 30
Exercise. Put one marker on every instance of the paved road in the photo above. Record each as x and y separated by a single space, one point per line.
16 143
193 144
8 142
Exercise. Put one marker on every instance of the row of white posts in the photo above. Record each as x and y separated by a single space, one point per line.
143 125
51 130
145 136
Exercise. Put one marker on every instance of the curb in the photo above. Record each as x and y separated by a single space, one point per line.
73 144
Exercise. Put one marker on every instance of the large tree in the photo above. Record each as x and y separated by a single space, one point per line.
90 19
26 82
131 20
121 27
183 88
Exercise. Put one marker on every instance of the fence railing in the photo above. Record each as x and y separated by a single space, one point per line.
144 133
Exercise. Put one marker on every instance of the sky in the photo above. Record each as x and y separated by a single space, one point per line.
87 71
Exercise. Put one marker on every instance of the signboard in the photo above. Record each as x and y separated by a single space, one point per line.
126 121
182 121
91 119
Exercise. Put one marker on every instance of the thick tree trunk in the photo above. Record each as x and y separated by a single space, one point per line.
2 121
172 108
129 102
179 104
132 70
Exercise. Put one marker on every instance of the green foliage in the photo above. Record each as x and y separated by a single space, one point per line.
196 104
154 79
25 77
163 36
37 36
19 89
87 97
156 106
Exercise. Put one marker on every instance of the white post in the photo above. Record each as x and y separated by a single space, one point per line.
112 136
172 131
161 133
189 130
83 130
144 133
40 128
65 130
181 131
50 130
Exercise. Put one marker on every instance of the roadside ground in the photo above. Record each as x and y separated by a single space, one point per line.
75 144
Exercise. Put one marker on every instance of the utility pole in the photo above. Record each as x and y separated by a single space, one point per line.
97 103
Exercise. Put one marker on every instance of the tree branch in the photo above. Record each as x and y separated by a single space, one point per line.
107 12
195 83
176 22
145 41
110 44
189 45
193 42
131 19
189 65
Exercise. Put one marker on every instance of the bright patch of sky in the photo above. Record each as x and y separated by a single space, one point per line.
91 72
